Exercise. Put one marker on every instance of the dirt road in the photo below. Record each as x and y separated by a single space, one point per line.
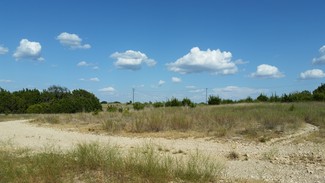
278 160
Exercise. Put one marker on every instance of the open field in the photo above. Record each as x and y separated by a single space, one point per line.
261 143
259 122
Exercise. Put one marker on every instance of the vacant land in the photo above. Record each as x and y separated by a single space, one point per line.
291 150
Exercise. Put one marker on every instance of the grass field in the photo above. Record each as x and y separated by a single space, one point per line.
95 163
261 121
150 163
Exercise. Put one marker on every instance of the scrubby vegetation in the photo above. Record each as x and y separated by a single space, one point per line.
55 99
261 121
95 163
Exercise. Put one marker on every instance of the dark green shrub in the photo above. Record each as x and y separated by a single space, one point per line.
158 104
138 106
214 100
174 102
188 102
262 98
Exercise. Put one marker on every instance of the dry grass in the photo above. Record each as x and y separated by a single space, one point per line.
95 163
9 117
253 121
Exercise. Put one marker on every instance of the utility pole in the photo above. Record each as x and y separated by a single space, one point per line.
206 95
133 95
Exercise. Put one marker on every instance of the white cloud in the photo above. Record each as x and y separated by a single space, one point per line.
3 50
176 80
161 82
235 92
5 81
212 61
321 59
72 40
107 90
95 79
87 64
132 60
312 74
83 64
267 71
241 62
28 50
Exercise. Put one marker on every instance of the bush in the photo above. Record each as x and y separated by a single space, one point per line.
262 98
138 106
188 102
38 108
174 102
214 100
158 104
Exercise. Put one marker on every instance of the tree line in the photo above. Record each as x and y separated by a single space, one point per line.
304 96
55 99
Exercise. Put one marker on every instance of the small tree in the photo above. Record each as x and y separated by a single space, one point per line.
214 100
262 98
174 102
319 93
138 106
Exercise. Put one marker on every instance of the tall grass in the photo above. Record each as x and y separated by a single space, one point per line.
248 120
8 117
95 163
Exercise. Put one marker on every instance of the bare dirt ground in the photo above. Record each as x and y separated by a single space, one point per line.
278 160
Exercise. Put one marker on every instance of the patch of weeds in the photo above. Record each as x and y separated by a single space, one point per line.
233 155
198 168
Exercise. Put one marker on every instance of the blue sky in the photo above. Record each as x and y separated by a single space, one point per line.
163 49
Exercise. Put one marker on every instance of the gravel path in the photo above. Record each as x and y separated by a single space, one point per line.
278 160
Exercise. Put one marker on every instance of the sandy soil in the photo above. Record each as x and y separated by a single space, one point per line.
278 160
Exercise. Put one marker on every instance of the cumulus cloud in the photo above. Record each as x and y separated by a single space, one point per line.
176 80
161 82
212 61
72 40
312 74
235 92
28 50
3 50
107 90
132 60
267 71
321 59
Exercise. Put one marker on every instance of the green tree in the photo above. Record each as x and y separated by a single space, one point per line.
262 98
138 106
319 93
214 100
174 102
